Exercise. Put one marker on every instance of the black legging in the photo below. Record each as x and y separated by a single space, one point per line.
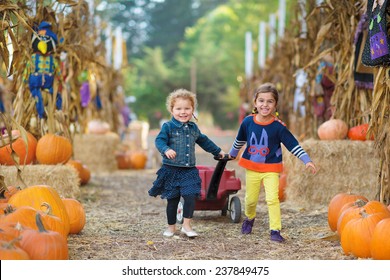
188 208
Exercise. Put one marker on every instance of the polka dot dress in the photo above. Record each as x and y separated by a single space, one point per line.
175 181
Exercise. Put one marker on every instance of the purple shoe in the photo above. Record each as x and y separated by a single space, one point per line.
275 236
247 226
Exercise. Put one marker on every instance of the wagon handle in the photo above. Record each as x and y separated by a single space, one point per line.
224 158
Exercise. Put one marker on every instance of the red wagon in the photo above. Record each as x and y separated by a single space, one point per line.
218 184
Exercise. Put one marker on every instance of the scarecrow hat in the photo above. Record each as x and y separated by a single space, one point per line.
44 25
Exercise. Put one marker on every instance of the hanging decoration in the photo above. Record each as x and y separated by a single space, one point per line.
43 67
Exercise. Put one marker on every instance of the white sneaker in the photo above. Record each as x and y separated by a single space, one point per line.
190 233
168 233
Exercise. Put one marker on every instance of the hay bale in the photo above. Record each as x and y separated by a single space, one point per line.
97 151
63 178
344 166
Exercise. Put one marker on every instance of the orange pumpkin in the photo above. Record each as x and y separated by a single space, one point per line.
10 231
333 129
76 214
7 192
85 175
357 234
26 153
138 160
34 196
359 132
352 212
335 205
76 164
380 241
25 215
123 160
44 244
9 251
282 186
53 149
52 222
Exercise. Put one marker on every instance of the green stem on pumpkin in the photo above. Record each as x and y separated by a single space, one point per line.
39 223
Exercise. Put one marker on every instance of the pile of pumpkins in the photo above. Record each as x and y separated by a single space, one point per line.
49 149
35 223
127 159
336 129
363 225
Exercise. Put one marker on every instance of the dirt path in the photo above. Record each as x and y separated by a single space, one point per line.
124 223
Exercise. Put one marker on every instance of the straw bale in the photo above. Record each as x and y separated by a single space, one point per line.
63 178
136 136
97 151
344 166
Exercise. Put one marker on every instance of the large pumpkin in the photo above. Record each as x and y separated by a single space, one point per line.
380 241
359 132
333 129
26 153
53 149
43 244
336 204
35 196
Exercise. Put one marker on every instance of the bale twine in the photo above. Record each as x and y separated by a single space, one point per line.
344 165
97 151
63 178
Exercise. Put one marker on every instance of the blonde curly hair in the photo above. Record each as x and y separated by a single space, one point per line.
180 93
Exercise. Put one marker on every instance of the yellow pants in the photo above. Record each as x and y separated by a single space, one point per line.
270 181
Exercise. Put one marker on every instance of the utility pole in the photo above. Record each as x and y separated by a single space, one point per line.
193 76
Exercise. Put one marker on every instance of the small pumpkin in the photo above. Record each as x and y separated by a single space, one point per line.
138 160
123 159
357 234
76 213
282 186
380 241
53 149
333 129
26 153
7 192
85 175
25 215
352 212
335 205
77 165
10 231
9 251
359 132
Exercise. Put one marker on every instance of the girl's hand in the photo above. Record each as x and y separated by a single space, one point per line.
312 167
171 154
222 154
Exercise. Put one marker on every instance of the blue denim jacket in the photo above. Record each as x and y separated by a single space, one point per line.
181 137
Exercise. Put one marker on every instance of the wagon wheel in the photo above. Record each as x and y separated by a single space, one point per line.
235 209
225 208
179 214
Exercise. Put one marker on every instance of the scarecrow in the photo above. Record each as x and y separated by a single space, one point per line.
42 69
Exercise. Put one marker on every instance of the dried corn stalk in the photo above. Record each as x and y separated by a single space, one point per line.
77 51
